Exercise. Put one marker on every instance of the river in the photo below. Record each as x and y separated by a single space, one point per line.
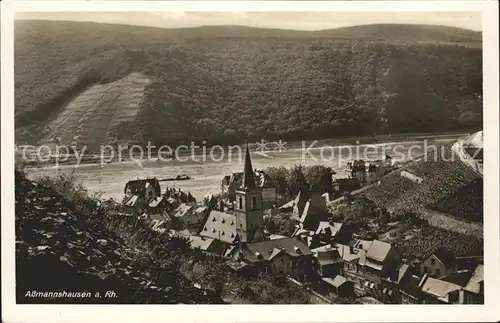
207 174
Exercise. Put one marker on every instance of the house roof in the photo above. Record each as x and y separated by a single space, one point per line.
236 265
379 250
474 284
221 226
445 256
327 228
202 243
347 255
336 282
302 232
401 271
132 200
327 257
439 288
324 248
316 207
363 244
263 250
182 210
276 236
139 185
160 217
155 201
460 278
288 205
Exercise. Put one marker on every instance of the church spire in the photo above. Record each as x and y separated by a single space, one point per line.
248 177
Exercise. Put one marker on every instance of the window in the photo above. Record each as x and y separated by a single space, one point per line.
241 203
254 203
433 261
282 260
425 270
438 273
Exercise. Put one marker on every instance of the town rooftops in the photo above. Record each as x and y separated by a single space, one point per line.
139 185
266 250
221 226
182 210
378 251
439 288
445 256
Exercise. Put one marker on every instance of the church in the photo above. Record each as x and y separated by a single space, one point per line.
245 223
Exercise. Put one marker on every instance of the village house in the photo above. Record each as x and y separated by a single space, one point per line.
439 263
367 173
190 216
175 197
437 291
327 263
279 257
393 283
138 193
338 286
207 245
409 291
366 263
159 222
309 209
474 289
472 283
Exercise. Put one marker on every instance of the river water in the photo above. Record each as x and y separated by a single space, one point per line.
207 174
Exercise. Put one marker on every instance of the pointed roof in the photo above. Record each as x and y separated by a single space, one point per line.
248 176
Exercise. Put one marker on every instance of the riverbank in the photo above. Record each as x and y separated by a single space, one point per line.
151 157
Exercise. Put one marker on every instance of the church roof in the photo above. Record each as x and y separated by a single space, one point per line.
248 175
221 226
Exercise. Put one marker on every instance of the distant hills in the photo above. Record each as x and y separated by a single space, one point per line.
98 83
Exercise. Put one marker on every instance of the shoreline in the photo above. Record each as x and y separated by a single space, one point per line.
389 139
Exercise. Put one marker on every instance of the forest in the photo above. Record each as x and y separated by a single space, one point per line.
231 84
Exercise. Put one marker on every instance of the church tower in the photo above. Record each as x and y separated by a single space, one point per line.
249 207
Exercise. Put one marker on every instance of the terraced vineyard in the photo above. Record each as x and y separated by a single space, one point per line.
447 186
93 115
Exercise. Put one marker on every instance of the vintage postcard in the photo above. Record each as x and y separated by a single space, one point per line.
252 154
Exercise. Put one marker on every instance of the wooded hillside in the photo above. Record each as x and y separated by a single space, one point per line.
224 84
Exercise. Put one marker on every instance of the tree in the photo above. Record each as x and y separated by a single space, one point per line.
319 177
296 179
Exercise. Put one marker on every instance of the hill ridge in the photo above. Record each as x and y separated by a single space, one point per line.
225 89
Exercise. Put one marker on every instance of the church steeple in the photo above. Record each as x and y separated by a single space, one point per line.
249 206
248 176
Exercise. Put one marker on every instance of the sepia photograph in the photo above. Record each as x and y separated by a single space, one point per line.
249 157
